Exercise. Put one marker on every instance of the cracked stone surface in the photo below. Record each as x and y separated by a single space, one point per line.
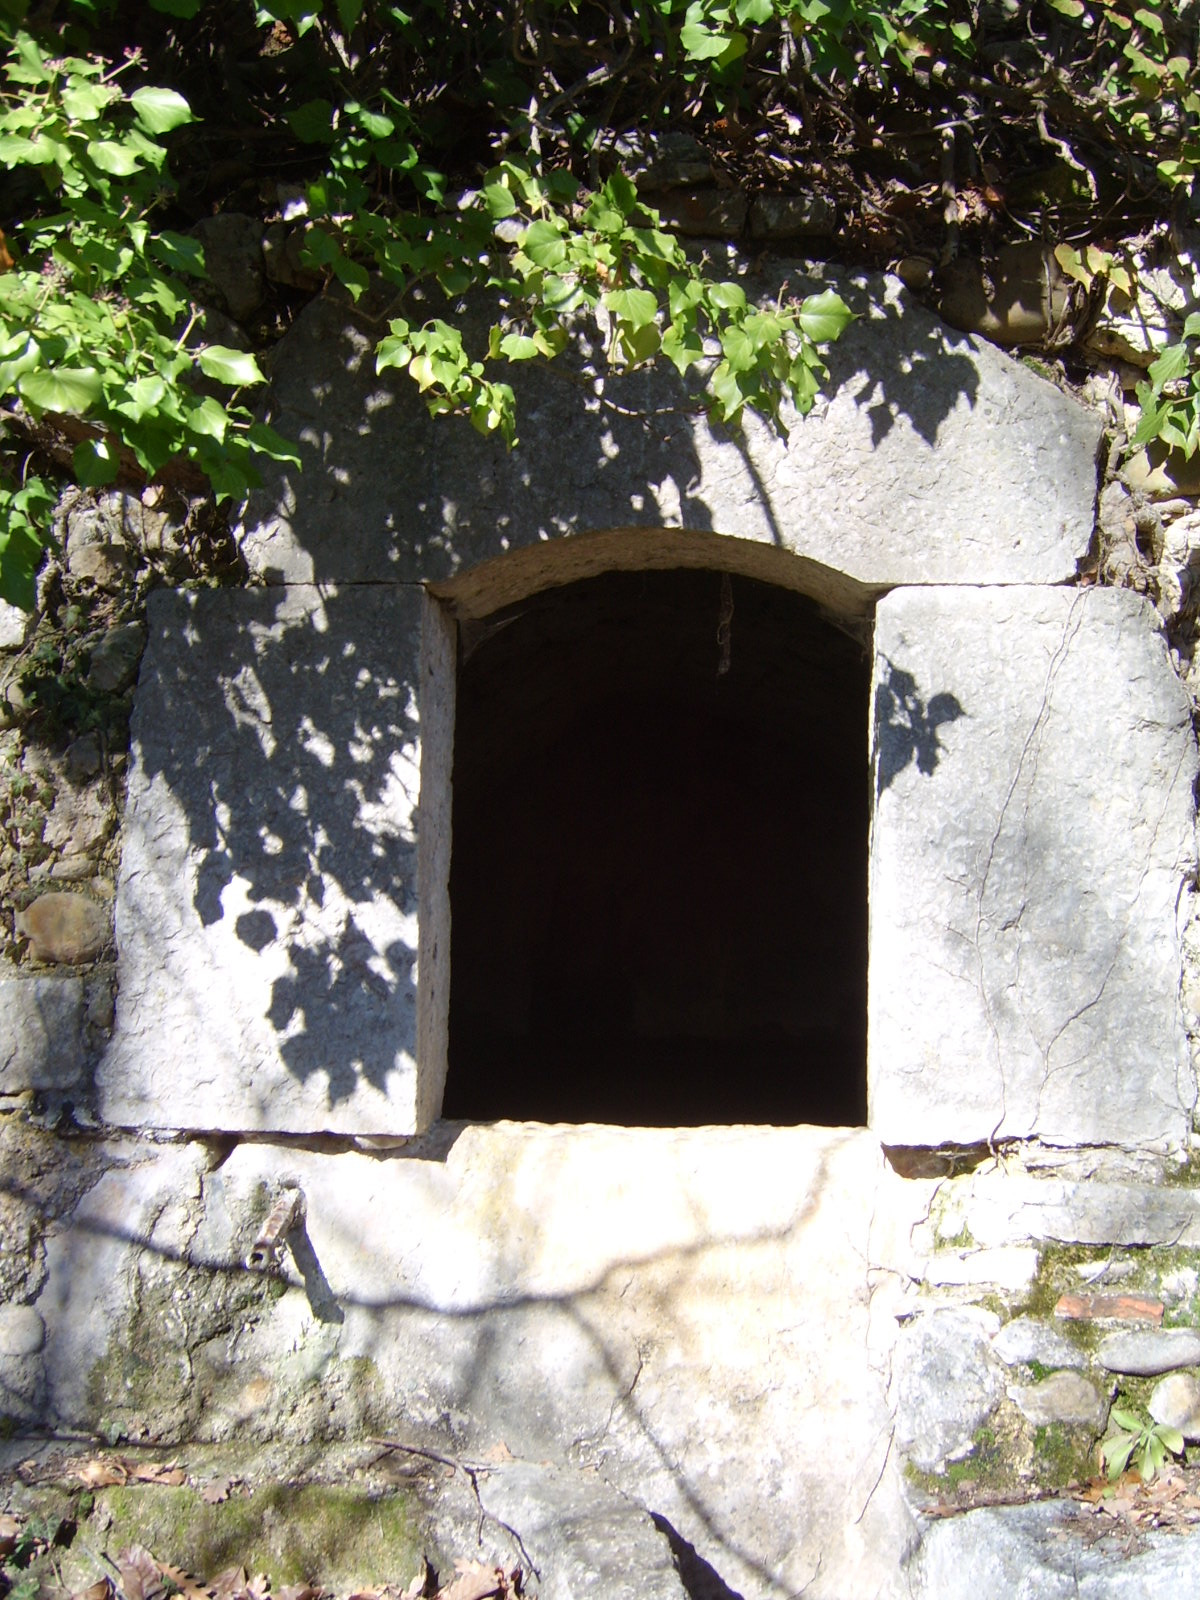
675 1314
935 459
1045 1552
1033 761
266 915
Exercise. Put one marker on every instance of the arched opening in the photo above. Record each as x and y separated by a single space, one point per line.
658 880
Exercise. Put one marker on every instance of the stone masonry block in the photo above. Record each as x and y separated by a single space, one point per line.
266 910
1033 762
933 458
41 1033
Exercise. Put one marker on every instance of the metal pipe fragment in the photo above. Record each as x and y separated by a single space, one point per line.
283 1216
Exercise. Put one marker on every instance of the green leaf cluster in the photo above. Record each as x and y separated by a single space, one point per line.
95 324
1140 1442
455 146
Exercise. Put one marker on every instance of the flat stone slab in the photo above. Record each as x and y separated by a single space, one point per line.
1007 1206
934 459
41 1033
1033 764
1048 1552
675 1315
266 914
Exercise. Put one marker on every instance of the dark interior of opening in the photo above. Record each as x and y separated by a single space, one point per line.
659 867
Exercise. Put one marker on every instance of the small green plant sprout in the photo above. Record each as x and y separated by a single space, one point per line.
1146 1444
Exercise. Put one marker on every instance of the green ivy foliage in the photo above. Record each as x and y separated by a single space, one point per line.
460 145
99 322
97 326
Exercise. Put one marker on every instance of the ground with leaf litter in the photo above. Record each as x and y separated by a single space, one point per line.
134 1526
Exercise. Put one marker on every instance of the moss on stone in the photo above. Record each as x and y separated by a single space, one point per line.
340 1536
1063 1454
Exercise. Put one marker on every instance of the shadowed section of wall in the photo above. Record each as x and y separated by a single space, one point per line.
659 873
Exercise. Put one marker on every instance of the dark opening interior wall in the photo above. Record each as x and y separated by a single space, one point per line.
659 871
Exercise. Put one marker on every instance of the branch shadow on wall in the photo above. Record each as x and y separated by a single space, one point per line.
386 492
459 1354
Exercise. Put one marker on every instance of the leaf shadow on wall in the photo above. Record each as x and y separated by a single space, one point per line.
906 726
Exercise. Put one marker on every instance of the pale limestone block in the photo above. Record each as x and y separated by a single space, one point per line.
1033 761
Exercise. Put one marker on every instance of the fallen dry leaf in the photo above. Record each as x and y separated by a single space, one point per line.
215 1492
424 1585
190 1588
155 1472
140 1575
301 1591
475 1582
10 1532
102 1589
100 1472
229 1583
499 1453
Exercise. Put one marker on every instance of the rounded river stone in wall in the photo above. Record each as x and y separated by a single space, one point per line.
1146 1354
1175 1403
64 928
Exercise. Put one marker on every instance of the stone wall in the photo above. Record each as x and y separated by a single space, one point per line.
778 1356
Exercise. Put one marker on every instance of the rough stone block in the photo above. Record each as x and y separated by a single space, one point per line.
934 459
41 1033
1006 1206
1033 763
945 1384
1049 1551
266 911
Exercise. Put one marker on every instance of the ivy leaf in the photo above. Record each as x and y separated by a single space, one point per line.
69 390
634 306
179 253
266 442
727 296
113 157
824 316
544 245
95 462
209 418
84 102
229 366
518 347
143 395
313 122
701 43
160 110
499 200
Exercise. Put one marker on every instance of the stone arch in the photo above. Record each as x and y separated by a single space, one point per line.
645 845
